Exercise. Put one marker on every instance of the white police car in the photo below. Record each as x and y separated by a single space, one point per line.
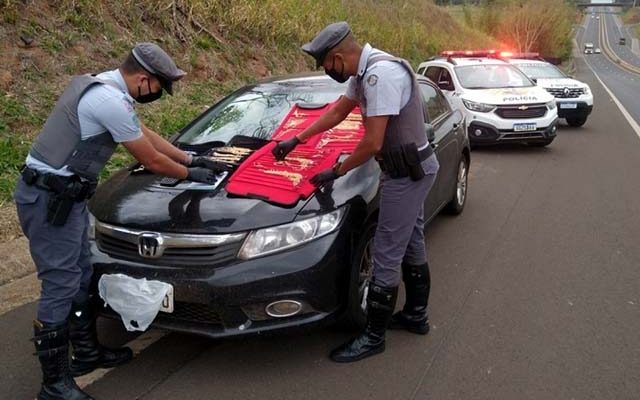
500 103
573 98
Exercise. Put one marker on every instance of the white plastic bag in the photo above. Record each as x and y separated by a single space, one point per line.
136 300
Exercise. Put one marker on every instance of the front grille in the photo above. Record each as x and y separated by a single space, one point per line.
173 256
522 111
566 93
191 312
522 135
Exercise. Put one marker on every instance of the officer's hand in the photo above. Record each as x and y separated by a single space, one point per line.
203 175
283 148
208 163
324 177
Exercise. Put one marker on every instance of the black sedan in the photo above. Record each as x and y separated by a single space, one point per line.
241 265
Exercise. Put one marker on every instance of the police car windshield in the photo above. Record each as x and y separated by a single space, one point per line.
258 110
491 76
541 71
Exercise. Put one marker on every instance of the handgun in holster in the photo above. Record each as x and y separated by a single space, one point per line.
412 161
61 200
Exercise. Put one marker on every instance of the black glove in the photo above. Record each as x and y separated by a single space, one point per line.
206 162
283 148
326 176
203 175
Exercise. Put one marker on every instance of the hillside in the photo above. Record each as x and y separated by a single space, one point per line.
221 44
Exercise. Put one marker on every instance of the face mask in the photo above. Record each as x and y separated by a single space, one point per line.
149 97
334 74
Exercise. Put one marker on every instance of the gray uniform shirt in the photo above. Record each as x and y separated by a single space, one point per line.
102 108
389 87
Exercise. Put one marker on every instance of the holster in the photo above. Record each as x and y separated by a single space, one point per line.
413 161
404 161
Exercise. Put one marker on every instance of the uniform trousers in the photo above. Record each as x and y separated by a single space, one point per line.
400 232
60 253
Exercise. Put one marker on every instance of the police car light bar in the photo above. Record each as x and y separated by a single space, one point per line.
488 53
468 53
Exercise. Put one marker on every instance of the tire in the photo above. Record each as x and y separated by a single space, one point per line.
459 197
354 317
577 121
541 143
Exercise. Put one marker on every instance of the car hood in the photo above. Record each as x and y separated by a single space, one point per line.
138 201
506 96
560 83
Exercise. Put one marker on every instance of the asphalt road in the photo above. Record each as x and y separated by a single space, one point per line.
536 295
623 83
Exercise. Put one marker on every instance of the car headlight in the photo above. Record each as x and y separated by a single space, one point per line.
479 107
587 90
282 237
91 229
551 105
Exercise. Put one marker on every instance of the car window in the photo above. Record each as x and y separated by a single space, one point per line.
258 110
433 73
491 76
541 71
421 70
435 103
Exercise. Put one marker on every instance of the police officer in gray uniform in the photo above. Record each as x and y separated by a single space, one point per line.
393 114
92 116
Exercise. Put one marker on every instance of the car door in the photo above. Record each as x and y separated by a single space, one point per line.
448 130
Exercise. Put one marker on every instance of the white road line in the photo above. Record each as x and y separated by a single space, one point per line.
630 120
137 345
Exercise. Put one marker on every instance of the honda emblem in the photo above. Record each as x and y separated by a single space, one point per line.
150 245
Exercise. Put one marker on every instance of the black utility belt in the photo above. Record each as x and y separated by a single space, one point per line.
404 161
64 191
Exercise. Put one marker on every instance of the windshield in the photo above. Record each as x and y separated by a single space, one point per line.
258 110
491 76
541 71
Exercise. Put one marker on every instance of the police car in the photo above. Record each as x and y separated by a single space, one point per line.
573 98
500 103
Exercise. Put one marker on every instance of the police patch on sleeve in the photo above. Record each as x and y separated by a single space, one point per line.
372 79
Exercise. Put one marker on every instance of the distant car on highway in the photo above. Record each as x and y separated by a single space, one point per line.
573 98
622 41
588 48
597 50
501 104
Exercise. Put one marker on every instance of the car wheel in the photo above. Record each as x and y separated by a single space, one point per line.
459 198
541 143
576 122
355 316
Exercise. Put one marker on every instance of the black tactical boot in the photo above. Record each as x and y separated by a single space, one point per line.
88 354
52 348
381 302
417 283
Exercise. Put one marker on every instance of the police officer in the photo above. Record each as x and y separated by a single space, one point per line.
393 114
91 117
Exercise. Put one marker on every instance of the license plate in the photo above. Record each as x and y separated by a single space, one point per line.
569 105
167 302
524 127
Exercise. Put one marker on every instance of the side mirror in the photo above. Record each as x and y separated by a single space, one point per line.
535 80
431 134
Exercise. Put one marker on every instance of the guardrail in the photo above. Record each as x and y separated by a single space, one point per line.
609 53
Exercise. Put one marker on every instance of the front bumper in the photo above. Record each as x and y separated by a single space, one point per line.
231 300
582 109
481 133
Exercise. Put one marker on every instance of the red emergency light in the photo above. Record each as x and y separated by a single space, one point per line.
529 55
468 53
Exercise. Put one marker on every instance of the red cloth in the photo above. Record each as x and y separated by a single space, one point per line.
286 182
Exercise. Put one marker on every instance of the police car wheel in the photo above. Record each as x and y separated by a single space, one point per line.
459 198
576 122
354 317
